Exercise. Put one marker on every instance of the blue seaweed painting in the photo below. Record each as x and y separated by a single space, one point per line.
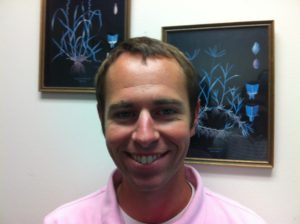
74 39
222 99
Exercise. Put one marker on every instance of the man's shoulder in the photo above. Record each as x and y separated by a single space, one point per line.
87 206
225 207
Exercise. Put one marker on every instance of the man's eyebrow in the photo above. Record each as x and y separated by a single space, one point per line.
168 102
158 102
120 105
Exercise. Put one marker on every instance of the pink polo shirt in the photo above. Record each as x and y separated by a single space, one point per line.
206 207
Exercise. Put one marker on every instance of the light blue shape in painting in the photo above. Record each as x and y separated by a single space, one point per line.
192 56
112 39
256 63
116 9
252 90
255 48
252 112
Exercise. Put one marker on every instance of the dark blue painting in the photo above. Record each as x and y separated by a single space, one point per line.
235 65
77 37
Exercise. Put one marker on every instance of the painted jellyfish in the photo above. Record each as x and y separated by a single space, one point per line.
112 39
252 112
256 63
252 90
116 9
255 50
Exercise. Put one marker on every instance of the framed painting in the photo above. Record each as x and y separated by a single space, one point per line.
235 64
76 37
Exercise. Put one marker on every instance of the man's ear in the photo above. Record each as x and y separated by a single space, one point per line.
196 118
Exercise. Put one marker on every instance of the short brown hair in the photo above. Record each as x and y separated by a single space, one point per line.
147 48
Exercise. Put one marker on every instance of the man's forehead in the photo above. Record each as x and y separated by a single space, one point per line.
142 58
128 61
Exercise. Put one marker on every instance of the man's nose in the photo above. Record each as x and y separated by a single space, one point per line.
145 133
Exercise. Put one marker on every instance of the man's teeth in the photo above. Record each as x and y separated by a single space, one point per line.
145 159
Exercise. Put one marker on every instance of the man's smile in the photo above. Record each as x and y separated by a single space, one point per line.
146 159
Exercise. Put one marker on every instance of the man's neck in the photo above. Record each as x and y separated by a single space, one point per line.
154 206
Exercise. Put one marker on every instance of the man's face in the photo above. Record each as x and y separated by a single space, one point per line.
147 120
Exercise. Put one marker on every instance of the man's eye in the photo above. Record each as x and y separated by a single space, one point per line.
123 115
166 112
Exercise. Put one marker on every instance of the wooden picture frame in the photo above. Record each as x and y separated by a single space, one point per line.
235 62
76 37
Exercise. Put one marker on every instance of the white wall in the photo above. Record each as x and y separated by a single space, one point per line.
52 149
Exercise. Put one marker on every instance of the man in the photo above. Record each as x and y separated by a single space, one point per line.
147 93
